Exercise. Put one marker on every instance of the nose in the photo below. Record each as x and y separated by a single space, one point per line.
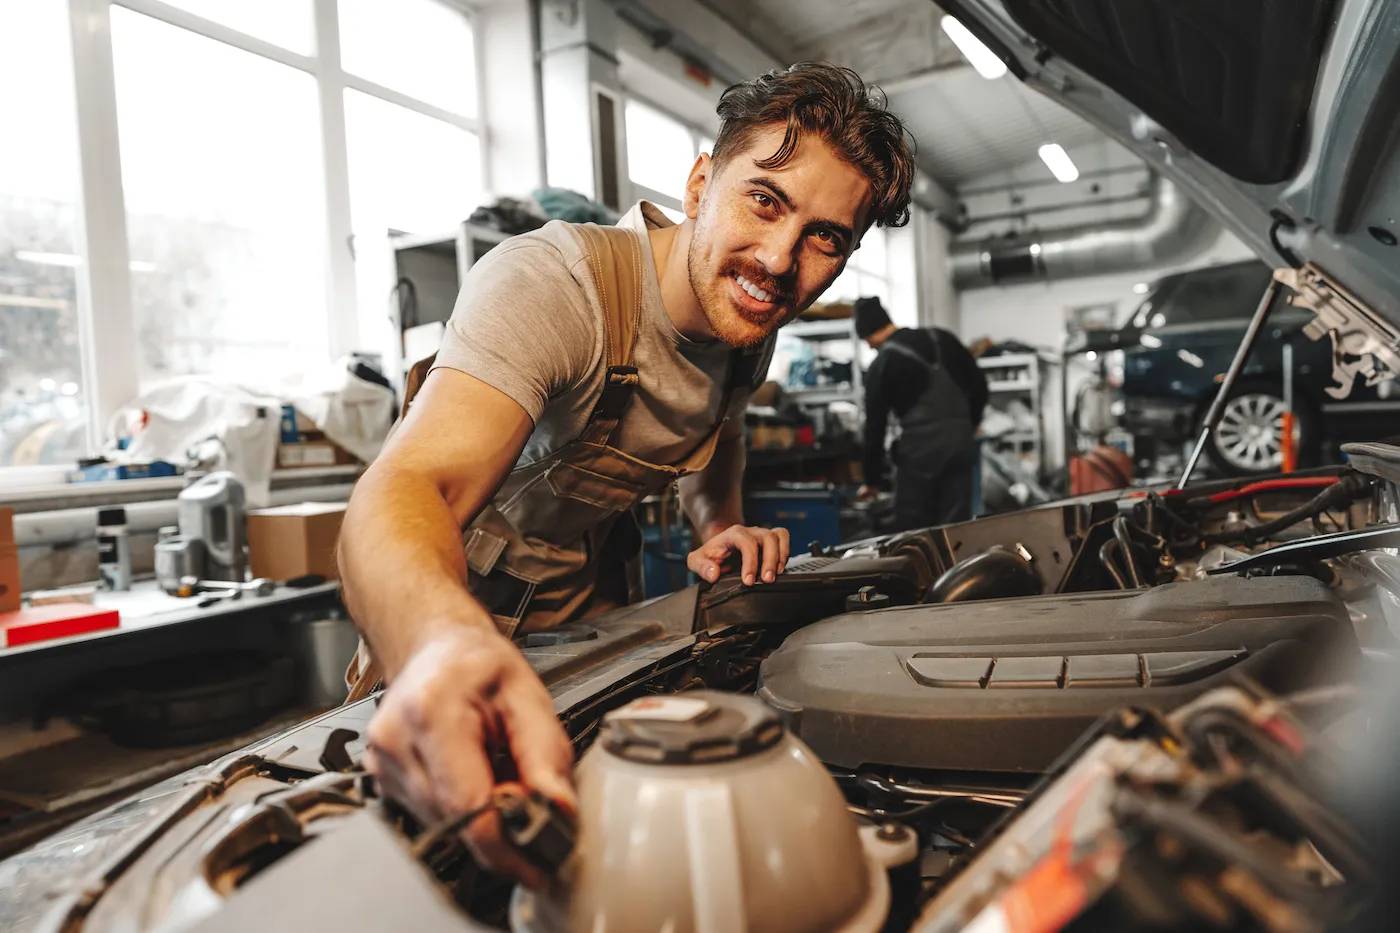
777 252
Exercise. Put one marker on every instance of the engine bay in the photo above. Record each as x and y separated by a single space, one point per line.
954 687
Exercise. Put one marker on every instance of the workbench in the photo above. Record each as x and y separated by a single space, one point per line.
83 771
153 626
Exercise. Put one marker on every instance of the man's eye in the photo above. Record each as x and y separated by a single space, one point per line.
763 200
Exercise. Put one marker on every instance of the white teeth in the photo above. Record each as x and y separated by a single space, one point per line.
753 290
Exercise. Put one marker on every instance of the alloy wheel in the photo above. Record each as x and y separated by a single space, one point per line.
1250 434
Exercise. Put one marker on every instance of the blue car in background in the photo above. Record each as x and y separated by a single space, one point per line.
1175 349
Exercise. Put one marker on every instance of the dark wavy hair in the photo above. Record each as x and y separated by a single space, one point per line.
833 102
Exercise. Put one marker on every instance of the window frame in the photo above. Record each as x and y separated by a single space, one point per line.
105 312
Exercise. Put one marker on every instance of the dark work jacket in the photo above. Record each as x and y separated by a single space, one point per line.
896 382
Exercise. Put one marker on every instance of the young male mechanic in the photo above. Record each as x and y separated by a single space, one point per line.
936 390
489 509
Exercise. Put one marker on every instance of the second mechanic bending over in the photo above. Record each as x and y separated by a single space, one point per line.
932 385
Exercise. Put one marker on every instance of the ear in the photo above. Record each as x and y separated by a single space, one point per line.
695 184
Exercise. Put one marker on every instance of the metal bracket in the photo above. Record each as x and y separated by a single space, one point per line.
1364 345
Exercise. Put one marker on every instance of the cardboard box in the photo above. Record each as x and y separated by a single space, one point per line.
313 453
9 563
108 472
290 541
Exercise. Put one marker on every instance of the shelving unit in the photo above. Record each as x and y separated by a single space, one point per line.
436 265
1018 376
822 332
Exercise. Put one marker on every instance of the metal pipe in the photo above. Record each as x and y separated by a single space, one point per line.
1217 408
1106 558
1056 208
1051 183
1174 229
1125 547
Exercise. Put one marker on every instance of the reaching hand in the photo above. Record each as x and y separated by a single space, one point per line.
763 552
462 694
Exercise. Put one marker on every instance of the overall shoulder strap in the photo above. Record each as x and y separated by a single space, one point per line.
615 262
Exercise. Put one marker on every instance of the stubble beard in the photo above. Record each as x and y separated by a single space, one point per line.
727 321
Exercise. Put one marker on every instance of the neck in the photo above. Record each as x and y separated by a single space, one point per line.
670 247
877 339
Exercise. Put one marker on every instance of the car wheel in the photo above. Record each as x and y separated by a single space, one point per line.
1249 438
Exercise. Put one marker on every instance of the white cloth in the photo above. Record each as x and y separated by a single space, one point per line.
219 424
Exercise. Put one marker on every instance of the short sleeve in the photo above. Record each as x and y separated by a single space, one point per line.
523 325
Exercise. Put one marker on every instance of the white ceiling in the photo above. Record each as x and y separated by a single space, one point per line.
966 127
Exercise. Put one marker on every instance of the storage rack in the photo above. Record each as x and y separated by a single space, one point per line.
1018 376
820 332
436 265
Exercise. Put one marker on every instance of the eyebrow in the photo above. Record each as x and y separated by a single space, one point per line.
782 196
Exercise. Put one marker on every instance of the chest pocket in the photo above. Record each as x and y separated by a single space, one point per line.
568 500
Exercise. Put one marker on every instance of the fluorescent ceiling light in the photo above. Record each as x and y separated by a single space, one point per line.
981 57
1059 162
48 259
1141 288
141 265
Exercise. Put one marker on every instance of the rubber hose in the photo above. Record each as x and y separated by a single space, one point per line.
1343 491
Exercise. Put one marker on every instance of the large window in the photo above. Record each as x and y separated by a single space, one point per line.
259 143
225 205
660 153
866 274
42 413
420 48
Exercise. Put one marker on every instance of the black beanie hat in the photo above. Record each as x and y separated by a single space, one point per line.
870 317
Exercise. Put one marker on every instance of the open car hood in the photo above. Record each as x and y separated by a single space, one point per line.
1281 117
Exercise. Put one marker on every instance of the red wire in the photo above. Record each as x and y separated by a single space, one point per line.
1267 485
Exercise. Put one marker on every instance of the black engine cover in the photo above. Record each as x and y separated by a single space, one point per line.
1007 685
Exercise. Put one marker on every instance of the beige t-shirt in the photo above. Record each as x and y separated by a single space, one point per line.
529 322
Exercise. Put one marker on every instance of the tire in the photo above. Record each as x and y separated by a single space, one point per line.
1248 439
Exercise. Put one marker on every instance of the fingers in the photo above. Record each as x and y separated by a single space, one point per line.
770 552
763 554
543 754
391 757
702 565
429 743
742 539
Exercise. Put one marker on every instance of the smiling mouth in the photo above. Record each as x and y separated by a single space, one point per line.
754 304
753 291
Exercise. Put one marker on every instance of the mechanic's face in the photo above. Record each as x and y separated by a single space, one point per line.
768 242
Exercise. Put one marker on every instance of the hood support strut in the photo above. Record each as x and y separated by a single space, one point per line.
1217 407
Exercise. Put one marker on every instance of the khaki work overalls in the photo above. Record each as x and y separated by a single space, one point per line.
533 554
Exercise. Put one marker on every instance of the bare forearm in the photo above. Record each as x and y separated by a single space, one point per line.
713 498
402 566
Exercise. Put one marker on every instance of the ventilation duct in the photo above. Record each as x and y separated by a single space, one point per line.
1173 230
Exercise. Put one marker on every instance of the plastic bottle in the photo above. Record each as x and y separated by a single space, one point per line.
113 549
